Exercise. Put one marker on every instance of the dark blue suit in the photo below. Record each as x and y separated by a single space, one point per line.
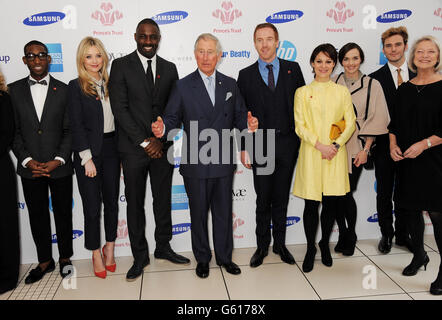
274 111
208 186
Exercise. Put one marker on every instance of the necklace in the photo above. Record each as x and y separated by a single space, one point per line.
419 90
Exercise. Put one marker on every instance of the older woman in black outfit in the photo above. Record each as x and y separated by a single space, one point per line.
9 238
415 145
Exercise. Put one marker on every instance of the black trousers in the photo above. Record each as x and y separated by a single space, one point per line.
273 192
9 226
214 194
103 188
346 218
385 175
330 206
135 170
37 199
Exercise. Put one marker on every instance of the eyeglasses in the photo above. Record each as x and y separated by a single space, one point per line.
40 55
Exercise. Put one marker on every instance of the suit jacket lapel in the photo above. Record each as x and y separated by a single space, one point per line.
50 98
138 70
220 96
158 73
28 102
202 96
258 81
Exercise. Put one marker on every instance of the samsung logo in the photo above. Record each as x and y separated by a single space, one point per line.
170 17
373 218
393 16
292 220
180 228
75 235
44 18
284 16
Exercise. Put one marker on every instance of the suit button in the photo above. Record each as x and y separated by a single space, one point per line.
39 131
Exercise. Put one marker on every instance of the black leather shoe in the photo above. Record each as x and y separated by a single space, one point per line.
135 271
385 244
415 265
309 259
349 245
36 274
326 257
169 254
231 267
258 257
284 253
436 288
65 270
405 243
202 270
340 245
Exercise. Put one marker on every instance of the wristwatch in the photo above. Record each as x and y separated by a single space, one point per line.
429 143
337 146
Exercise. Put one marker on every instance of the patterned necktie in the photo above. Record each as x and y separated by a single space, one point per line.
399 77
149 75
211 90
42 82
271 77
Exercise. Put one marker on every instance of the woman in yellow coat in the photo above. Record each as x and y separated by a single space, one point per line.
322 169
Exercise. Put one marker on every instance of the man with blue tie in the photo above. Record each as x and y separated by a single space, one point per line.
208 101
268 87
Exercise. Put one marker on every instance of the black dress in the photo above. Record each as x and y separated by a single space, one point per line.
9 229
417 115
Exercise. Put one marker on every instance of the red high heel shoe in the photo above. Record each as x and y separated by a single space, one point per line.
101 274
110 268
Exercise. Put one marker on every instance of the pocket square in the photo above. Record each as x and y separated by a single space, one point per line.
228 95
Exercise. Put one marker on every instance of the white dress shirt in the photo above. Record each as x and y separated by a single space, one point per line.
39 93
404 72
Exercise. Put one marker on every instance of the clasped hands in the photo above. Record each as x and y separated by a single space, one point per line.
412 152
328 151
42 169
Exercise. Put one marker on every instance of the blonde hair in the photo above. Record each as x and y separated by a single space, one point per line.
3 86
402 31
87 85
411 64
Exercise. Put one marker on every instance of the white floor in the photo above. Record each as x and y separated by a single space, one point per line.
367 275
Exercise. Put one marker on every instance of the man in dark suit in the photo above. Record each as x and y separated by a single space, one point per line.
137 97
268 87
42 145
207 101
391 75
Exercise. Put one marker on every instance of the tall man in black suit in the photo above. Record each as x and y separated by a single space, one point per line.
268 87
42 145
208 102
391 75
139 88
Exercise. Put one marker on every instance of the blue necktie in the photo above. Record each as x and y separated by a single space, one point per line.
271 77
211 90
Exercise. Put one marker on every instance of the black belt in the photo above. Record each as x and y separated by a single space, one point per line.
109 135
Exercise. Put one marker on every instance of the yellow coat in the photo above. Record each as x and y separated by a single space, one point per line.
317 106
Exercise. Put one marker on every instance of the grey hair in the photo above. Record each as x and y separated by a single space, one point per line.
209 36
411 64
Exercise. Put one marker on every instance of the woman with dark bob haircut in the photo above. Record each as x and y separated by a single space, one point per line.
322 172
371 120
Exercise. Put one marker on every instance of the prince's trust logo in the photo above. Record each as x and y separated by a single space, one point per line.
340 15
107 16
227 15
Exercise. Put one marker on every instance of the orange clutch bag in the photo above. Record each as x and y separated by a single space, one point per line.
336 129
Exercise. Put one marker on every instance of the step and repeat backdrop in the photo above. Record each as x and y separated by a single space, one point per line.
302 25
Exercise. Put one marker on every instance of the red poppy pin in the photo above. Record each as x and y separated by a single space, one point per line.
54 88
97 98
290 71
311 97
158 76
